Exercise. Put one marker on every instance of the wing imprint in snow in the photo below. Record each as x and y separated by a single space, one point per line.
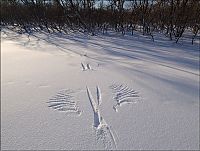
64 101
123 94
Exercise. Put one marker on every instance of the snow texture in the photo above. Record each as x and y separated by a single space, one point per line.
98 92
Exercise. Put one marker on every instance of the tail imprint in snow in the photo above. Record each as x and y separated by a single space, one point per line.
97 118
103 131
64 101
99 95
123 94
106 136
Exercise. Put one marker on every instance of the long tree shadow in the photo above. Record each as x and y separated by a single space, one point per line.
109 45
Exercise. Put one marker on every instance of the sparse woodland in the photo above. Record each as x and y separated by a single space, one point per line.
171 17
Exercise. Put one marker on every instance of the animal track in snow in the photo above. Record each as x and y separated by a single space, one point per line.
86 67
103 131
123 94
64 101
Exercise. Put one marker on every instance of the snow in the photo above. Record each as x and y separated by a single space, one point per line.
113 92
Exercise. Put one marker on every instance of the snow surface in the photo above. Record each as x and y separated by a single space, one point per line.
98 92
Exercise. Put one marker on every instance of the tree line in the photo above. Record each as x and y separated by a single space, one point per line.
172 17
